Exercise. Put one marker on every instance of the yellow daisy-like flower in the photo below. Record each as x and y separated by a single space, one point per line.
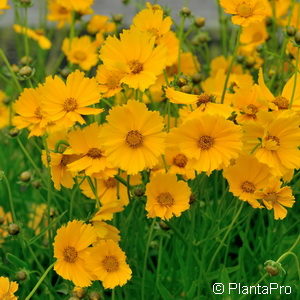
109 81
71 249
274 140
3 5
106 232
4 115
166 196
109 264
37 35
6 218
276 197
99 23
29 112
8 289
135 55
245 12
58 13
107 211
210 139
246 177
85 143
133 139
76 5
66 102
81 51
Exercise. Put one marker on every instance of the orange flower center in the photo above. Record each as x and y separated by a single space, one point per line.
206 142
62 10
165 199
110 263
70 104
180 160
38 113
135 67
281 102
272 197
70 254
80 55
153 31
134 139
203 99
113 83
271 142
94 153
110 183
248 187
244 10
251 110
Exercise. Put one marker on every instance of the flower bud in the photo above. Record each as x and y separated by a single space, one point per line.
139 191
186 89
21 275
185 11
25 3
200 22
291 31
15 68
163 225
118 18
273 268
26 60
94 296
197 78
25 176
13 132
297 38
13 229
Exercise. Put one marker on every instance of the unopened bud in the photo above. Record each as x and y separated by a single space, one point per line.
291 31
25 176
13 132
118 18
186 89
197 78
185 11
13 229
200 22
26 60
139 191
163 225
25 71
297 38
21 275
94 296
273 268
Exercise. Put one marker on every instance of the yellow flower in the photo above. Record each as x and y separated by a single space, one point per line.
7 289
86 144
281 7
245 12
38 217
29 111
76 5
99 23
109 264
6 218
109 81
166 196
66 102
4 115
71 249
221 62
246 177
81 51
106 232
3 5
282 101
58 13
109 189
274 140
252 36
136 56
133 138
107 211
276 197
37 35
210 139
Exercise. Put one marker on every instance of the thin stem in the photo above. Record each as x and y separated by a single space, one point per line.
146 257
13 75
231 64
180 37
39 282
10 199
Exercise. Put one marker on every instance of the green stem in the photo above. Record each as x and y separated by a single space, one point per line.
146 257
13 75
39 282
26 44
180 37
231 64
10 199
121 180
295 79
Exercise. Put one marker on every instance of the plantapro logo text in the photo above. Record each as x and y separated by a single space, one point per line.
234 288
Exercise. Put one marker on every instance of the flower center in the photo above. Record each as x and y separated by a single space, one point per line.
70 104
110 264
134 139
80 55
248 187
180 160
113 83
62 10
38 113
165 199
203 99
244 10
135 67
251 110
206 142
94 153
110 183
153 31
271 142
272 197
281 102
70 254
65 160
